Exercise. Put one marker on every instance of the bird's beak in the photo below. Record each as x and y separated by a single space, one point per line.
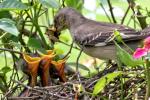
56 34
33 64
45 65
60 67
55 31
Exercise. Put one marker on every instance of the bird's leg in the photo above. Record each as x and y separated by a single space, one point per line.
77 73
95 65
77 65
71 46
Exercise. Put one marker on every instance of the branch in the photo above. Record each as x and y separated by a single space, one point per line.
10 50
111 11
122 21
105 12
140 17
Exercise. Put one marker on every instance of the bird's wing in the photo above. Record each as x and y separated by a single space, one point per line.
100 34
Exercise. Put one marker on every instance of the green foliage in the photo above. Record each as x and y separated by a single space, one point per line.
3 78
9 26
12 5
126 58
23 28
35 44
103 81
75 4
5 14
81 66
50 3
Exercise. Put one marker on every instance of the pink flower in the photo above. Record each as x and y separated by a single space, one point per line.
140 52
147 43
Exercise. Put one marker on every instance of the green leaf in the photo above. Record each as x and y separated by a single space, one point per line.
126 58
64 38
35 43
2 86
58 50
79 65
103 81
2 74
8 25
75 4
6 69
12 5
50 3
5 14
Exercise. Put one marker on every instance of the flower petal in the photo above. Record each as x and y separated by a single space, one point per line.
147 43
140 52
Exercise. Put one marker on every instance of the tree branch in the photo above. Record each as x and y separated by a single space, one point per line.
140 17
111 11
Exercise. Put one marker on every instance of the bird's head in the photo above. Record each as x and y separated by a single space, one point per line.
65 18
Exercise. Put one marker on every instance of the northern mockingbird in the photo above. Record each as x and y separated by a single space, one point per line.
93 36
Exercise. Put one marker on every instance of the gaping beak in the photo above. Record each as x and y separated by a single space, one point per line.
45 65
60 67
32 67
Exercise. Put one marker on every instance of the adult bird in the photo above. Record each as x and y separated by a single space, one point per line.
96 37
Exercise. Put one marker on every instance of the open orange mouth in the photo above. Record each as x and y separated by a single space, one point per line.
33 64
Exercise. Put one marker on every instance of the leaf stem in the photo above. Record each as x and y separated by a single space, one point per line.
147 70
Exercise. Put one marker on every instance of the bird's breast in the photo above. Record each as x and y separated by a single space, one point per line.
108 51
103 52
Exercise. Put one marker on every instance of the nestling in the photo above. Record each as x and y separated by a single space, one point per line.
95 37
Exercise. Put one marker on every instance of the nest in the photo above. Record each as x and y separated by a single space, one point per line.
133 88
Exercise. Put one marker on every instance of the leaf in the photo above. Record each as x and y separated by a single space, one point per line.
64 37
35 43
75 4
2 74
103 81
5 14
58 50
50 3
8 25
79 65
6 69
2 86
12 5
126 58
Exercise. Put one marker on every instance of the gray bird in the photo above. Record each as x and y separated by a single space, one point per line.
96 37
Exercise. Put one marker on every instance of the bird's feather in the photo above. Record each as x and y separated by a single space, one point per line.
92 33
